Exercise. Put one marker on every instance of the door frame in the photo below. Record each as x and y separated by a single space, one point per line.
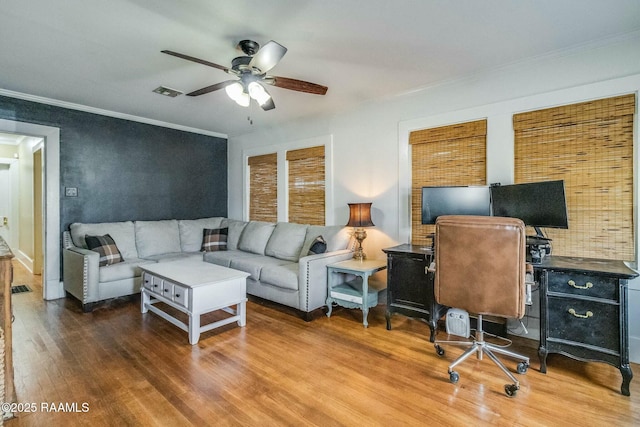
51 285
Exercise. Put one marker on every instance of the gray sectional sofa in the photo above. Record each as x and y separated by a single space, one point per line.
275 254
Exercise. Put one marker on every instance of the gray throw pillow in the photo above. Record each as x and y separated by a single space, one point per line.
319 246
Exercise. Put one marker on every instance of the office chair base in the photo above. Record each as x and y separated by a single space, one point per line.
480 347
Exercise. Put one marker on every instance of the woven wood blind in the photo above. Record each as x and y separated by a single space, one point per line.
590 146
448 155
263 188
306 185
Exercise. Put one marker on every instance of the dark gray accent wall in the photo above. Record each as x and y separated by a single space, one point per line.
125 170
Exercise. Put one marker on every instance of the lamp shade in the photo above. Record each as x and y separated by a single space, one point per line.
360 215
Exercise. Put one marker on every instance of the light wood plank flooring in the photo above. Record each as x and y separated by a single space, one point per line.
132 369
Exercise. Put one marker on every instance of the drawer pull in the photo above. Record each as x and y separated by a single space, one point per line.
573 284
582 316
177 295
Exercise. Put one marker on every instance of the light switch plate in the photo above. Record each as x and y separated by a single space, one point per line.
71 191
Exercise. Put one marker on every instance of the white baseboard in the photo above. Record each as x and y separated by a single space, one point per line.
54 290
24 259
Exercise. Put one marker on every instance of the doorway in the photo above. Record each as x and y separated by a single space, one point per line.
50 161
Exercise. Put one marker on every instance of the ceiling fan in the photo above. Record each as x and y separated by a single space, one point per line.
251 71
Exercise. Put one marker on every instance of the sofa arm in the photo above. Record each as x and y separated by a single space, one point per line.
313 277
81 272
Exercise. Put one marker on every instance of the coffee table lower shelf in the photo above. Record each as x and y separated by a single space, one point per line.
193 328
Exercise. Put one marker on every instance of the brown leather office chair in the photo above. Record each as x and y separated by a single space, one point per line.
480 267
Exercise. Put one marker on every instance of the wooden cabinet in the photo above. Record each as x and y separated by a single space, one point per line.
583 312
6 277
410 285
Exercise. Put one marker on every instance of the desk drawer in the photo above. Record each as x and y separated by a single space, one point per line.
586 285
587 322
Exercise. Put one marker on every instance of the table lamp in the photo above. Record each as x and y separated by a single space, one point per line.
359 217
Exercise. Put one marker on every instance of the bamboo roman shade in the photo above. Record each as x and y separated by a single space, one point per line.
306 185
590 146
263 188
448 155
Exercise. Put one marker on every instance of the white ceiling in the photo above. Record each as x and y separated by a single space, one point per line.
106 54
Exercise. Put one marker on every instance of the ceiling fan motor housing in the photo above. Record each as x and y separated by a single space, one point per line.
241 63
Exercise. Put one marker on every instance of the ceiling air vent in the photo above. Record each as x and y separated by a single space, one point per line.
162 90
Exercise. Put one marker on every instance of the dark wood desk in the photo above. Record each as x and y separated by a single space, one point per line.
584 313
583 304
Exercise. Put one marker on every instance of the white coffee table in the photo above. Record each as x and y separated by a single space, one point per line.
194 287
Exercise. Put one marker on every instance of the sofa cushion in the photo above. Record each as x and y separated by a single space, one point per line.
286 241
127 269
235 231
318 246
253 264
123 233
214 240
191 231
224 258
255 236
283 276
174 256
157 237
336 236
106 247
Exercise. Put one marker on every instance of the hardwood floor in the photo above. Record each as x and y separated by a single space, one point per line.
134 369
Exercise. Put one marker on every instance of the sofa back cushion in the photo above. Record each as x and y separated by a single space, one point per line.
336 236
235 231
122 233
286 241
255 236
191 231
157 237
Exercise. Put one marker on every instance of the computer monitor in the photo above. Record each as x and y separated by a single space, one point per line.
537 204
437 201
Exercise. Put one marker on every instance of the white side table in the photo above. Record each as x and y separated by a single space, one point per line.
355 293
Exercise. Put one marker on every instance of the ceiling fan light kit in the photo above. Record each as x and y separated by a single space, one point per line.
251 70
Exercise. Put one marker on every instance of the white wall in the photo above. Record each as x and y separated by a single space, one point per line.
370 152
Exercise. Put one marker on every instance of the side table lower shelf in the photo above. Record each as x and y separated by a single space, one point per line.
356 293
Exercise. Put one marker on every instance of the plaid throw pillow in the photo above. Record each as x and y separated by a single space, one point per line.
319 246
214 239
106 247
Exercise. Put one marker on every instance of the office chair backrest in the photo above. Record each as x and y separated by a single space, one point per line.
480 264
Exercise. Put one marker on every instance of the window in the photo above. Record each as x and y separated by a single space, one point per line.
448 155
263 187
307 185
590 146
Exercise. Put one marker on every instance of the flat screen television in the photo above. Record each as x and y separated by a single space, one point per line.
438 201
537 204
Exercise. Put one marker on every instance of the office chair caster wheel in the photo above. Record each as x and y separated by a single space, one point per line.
511 389
439 350
522 367
453 377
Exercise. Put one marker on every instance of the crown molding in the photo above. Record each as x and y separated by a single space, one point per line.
115 114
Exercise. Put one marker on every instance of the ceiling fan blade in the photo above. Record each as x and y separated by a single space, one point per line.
199 61
299 85
211 88
268 56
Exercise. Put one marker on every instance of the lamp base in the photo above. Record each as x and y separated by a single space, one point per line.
360 234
